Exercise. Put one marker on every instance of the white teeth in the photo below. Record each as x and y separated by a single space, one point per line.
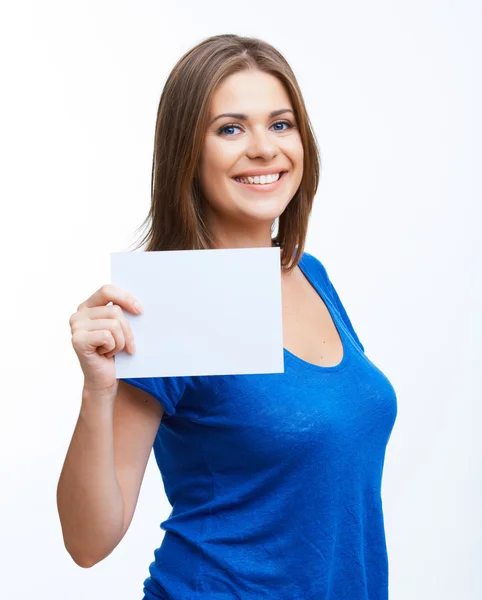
260 180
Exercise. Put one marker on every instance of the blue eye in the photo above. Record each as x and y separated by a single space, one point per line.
222 129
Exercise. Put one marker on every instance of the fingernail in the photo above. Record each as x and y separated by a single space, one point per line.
138 308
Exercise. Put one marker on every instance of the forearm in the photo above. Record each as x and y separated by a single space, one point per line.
89 497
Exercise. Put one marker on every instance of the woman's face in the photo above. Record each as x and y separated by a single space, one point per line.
241 214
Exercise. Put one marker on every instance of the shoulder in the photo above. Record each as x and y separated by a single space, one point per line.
310 263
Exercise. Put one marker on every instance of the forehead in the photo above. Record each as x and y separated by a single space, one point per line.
250 92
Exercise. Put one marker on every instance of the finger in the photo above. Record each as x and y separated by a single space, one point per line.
102 313
118 328
112 293
89 341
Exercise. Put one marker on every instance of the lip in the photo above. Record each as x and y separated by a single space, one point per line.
266 187
261 171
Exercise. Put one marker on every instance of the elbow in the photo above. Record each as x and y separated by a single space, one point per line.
85 564
85 561
81 560
87 553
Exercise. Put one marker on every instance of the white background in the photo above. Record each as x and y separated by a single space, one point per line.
392 89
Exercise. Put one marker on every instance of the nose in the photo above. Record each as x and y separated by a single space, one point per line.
262 144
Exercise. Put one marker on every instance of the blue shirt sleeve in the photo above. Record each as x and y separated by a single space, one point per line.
168 391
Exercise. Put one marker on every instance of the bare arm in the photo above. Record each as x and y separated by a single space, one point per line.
103 470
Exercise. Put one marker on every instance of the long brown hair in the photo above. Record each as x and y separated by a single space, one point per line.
175 220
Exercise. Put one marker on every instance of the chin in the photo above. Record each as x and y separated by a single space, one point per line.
262 213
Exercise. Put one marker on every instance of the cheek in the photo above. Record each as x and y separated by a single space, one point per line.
295 149
292 148
218 157
296 154
214 169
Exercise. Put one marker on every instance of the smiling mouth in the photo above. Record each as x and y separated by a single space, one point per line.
259 184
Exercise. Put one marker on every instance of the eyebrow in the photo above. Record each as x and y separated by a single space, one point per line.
243 117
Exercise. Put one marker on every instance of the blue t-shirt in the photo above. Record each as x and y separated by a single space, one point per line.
275 479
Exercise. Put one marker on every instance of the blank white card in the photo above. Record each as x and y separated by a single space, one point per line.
206 312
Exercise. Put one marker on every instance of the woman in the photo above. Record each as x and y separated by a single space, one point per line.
274 479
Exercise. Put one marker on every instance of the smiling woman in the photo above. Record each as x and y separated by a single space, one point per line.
274 478
238 113
261 147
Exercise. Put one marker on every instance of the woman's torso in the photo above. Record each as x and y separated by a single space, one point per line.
275 479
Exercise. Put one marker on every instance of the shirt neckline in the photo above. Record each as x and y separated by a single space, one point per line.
339 327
